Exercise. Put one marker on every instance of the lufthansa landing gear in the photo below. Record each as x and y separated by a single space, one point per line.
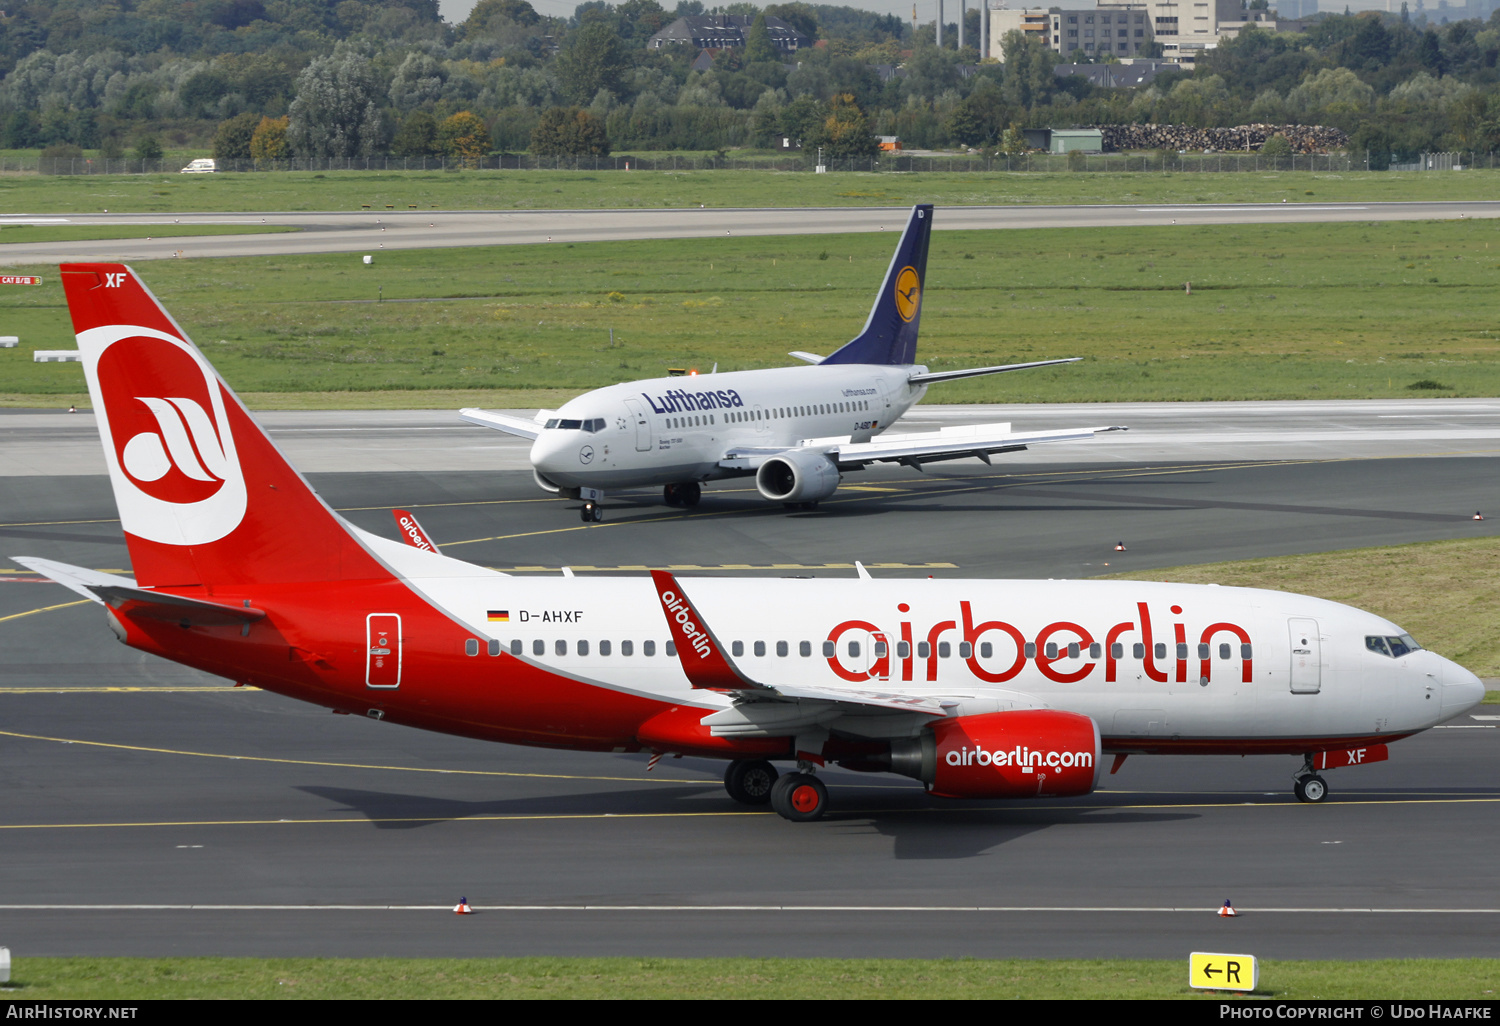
592 512
1307 785
686 494
800 797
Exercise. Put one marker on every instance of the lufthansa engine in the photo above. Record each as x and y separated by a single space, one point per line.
1028 753
797 477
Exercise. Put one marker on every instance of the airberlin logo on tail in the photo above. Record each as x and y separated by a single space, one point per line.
908 293
183 441
172 456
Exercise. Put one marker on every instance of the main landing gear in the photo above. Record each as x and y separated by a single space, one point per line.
749 781
799 797
1307 785
685 494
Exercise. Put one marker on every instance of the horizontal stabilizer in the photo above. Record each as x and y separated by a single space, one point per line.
502 422
974 372
122 594
808 357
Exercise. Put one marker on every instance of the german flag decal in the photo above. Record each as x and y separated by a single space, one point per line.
499 616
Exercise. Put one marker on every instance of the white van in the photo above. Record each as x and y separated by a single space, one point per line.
203 165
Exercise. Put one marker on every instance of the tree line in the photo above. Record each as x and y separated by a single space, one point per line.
267 79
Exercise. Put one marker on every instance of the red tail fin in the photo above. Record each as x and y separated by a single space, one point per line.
204 496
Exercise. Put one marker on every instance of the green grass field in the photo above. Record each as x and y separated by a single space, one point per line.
1276 312
492 190
127 979
1446 593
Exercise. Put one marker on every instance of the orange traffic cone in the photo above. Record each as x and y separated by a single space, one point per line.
462 908
1228 909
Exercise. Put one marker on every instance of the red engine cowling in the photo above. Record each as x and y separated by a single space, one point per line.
1031 753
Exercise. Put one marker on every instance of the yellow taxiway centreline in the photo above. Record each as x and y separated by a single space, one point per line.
346 765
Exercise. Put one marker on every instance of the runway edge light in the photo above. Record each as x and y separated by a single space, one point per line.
1214 970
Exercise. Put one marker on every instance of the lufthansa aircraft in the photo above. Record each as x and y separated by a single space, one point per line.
797 429
978 689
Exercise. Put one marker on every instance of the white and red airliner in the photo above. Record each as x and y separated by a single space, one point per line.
979 689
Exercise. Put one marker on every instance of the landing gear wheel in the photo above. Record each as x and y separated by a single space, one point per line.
1311 789
671 496
688 494
591 513
799 797
749 781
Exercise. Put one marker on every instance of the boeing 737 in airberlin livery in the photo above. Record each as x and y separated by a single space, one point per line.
796 429
979 689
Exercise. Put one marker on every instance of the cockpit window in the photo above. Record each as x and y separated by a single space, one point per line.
591 426
1394 647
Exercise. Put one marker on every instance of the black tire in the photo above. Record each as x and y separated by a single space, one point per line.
749 781
1311 789
799 797
669 495
688 494
598 514
589 513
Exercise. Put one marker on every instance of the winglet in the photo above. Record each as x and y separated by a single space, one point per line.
702 656
411 531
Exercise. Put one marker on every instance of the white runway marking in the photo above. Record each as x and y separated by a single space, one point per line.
1196 910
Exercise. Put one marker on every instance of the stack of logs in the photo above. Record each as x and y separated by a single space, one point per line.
1244 138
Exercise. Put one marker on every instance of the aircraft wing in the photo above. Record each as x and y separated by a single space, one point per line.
504 422
974 372
916 448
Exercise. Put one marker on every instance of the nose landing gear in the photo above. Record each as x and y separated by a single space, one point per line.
1307 785
591 513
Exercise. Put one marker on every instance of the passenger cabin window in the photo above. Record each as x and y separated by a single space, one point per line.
604 648
517 646
471 647
627 648
804 648
539 647
671 648
494 647
648 648
737 648
760 648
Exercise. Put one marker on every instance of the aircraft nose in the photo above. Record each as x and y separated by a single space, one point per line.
1462 690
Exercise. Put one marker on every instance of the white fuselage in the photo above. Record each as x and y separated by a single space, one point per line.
1155 665
678 429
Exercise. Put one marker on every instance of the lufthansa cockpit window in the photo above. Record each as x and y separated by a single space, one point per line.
591 426
1393 647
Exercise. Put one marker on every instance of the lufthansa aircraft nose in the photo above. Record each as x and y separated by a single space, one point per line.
1462 690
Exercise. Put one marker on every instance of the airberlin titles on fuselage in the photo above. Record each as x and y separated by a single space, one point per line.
1057 642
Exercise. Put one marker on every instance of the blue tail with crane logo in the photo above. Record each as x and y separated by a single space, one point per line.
890 335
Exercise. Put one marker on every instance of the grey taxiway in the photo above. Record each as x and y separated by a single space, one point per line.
149 809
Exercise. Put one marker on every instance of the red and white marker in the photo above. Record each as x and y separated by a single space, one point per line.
462 908
1227 910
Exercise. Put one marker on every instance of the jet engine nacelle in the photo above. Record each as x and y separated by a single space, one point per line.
797 477
1026 753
